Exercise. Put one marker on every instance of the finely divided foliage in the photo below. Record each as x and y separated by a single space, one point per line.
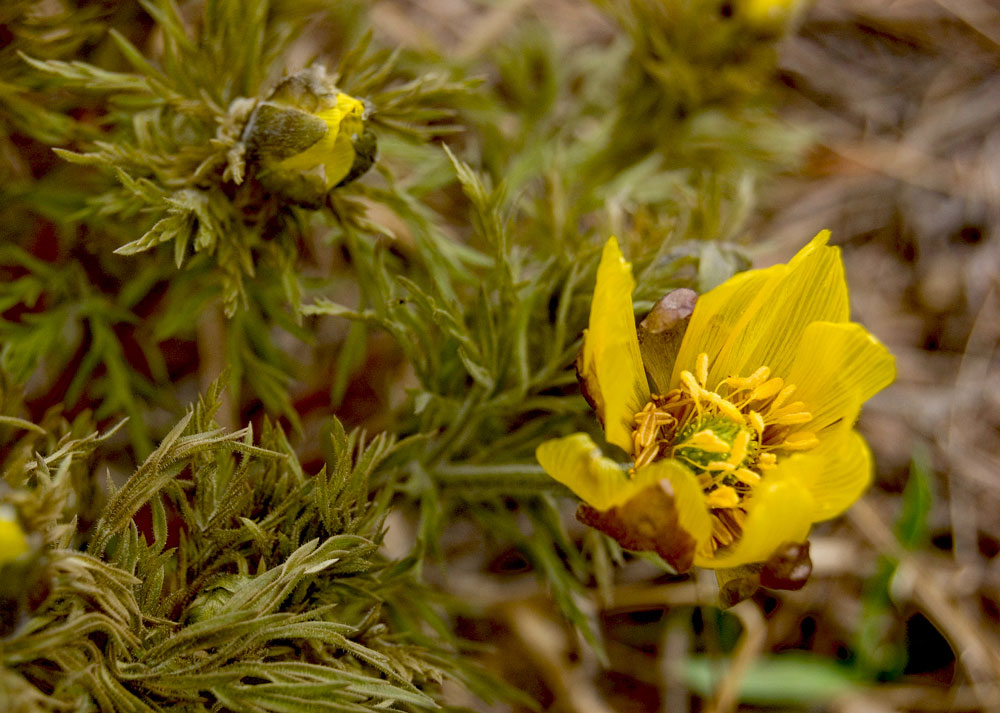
261 589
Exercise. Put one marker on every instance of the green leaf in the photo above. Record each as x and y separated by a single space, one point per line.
918 498
780 680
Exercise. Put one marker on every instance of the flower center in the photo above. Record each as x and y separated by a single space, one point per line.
729 436
715 444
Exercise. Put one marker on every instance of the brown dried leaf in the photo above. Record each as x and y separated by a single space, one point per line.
789 568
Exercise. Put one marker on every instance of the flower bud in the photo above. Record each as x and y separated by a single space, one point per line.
13 541
22 584
308 137
772 16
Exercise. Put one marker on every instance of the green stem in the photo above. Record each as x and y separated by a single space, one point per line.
508 478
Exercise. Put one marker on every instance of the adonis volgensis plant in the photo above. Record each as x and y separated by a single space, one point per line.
740 434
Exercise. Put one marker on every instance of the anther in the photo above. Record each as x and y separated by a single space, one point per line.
720 533
739 451
702 369
758 377
706 440
689 381
724 496
800 441
720 466
726 407
767 461
767 389
746 476
782 396
792 419
646 456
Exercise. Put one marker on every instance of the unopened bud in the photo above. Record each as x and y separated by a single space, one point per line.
308 137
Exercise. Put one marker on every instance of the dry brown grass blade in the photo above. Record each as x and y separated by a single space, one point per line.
977 650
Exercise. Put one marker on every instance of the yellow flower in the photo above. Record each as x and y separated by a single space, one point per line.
13 542
747 438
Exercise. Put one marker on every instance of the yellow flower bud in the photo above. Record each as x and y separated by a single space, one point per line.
771 15
13 541
308 137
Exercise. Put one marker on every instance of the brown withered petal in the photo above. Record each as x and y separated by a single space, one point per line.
661 332
737 583
788 568
649 521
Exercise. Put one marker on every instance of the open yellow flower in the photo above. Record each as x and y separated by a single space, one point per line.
747 438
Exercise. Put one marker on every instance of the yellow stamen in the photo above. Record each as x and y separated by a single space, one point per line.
767 461
739 451
706 440
794 418
720 466
782 396
725 406
723 497
767 389
689 381
758 377
720 534
793 407
739 515
646 456
747 442
800 441
646 429
701 368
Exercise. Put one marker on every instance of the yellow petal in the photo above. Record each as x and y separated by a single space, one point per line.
758 318
780 511
577 462
335 151
839 471
720 313
665 513
838 367
338 161
611 349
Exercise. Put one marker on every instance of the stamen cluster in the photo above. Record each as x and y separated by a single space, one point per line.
728 436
